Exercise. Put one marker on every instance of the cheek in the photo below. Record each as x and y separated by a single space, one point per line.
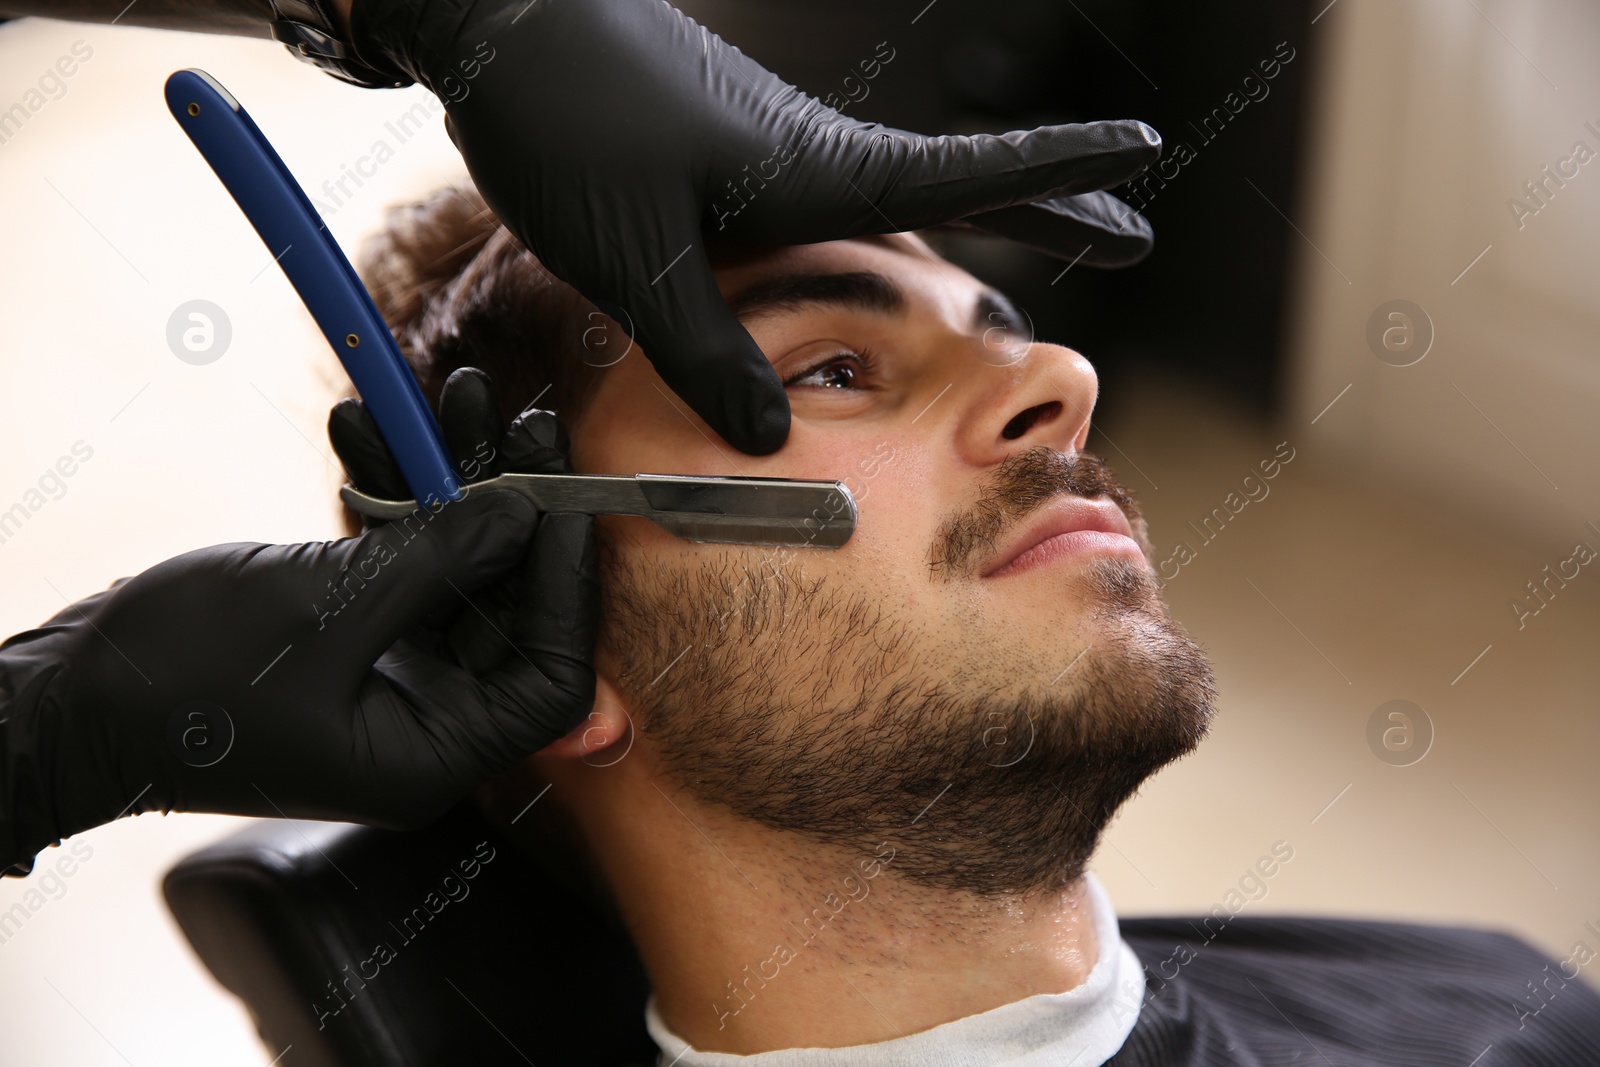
633 424
896 511
898 508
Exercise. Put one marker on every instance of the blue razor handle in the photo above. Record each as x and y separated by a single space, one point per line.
297 238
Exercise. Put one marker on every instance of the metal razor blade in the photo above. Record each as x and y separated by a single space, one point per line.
724 510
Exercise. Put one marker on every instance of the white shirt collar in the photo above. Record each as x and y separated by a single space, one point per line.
1082 1027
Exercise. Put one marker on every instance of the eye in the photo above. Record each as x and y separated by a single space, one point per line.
844 369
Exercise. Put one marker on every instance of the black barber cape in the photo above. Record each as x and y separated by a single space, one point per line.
1267 992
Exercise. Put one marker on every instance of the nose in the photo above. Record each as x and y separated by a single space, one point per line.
1044 397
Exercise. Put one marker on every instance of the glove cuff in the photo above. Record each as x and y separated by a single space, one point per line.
439 44
307 29
383 35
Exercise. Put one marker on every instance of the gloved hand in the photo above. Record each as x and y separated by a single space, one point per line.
374 679
614 137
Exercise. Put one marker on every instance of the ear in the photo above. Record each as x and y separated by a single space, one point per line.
607 725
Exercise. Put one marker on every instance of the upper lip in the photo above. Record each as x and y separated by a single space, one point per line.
1067 514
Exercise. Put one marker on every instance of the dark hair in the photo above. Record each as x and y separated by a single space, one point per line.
458 289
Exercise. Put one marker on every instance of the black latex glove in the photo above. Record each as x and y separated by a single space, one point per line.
614 137
247 678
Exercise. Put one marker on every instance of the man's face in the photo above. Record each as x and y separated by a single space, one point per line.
837 693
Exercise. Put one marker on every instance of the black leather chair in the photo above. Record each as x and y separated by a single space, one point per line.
379 948
494 957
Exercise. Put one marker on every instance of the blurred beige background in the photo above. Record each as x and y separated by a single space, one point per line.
1380 566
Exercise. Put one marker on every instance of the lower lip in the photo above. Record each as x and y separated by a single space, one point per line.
1067 545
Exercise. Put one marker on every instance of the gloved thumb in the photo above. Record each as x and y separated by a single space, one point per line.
1095 229
396 575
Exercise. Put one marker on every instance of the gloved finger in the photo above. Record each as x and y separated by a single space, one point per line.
367 460
469 415
884 179
1094 229
702 351
536 443
426 566
918 181
548 681
478 638
544 683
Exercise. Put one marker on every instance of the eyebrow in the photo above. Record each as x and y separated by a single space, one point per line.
862 290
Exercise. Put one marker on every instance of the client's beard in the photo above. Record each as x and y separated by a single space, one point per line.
803 705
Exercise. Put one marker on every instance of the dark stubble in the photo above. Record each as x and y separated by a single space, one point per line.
802 704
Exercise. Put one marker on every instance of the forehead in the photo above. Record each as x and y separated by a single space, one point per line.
930 282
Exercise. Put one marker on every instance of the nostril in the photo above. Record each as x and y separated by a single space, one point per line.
1027 420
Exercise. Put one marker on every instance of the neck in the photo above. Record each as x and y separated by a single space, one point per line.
756 940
